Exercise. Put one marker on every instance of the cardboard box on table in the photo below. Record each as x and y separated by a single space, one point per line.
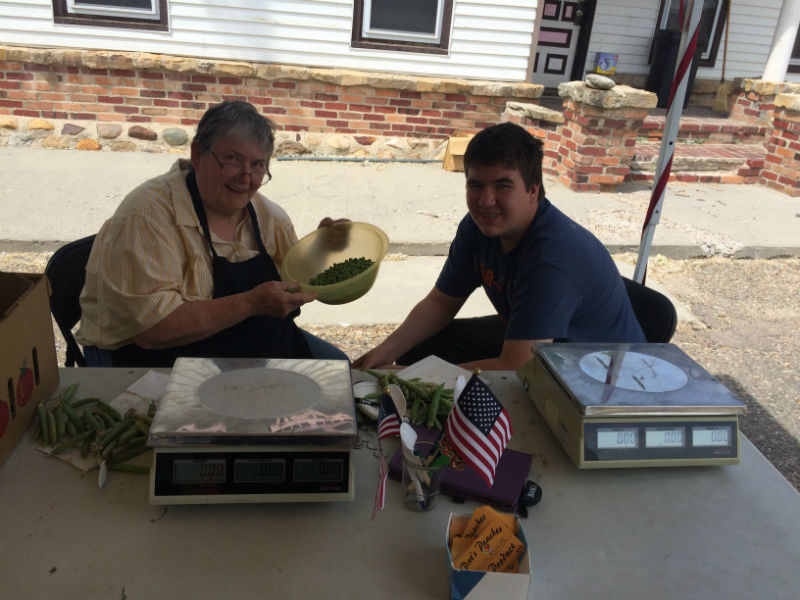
28 363
486 585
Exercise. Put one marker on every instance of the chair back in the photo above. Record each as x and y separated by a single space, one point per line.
654 311
66 272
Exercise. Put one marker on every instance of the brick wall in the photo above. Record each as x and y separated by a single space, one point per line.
95 86
782 160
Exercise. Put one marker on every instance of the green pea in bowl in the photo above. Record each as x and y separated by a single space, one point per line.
331 245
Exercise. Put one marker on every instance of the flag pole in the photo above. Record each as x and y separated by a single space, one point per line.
690 29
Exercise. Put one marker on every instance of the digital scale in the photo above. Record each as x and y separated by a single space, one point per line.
254 430
632 405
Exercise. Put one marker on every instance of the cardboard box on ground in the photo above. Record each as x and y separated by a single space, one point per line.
454 153
28 363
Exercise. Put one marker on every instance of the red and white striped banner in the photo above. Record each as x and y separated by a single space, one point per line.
677 93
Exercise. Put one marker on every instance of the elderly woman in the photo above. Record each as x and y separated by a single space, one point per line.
188 264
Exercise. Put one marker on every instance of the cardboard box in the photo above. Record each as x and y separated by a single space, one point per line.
454 153
28 363
486 585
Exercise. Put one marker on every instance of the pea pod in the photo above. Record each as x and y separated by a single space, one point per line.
52 432
434 405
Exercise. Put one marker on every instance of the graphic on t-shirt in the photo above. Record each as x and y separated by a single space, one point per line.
488 277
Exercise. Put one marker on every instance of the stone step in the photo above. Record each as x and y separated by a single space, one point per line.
701 126
701 157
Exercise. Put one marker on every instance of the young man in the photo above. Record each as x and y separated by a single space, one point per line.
548 278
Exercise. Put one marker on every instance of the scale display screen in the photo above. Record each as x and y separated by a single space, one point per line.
651 440
181 476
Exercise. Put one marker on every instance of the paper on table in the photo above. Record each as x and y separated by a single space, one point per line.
138 396
436 370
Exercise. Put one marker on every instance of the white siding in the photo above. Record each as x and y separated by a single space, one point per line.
489 39
626 27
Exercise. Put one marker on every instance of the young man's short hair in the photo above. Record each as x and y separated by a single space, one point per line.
509 145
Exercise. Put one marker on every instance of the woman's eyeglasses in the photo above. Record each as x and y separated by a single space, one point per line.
235 166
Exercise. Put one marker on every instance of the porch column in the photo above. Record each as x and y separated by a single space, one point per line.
598 136
782 163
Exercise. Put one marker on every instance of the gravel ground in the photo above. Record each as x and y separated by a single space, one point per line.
743 325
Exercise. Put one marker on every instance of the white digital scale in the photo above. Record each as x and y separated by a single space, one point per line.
254 430
632 405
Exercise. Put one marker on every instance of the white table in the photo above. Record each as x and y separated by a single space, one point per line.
701 532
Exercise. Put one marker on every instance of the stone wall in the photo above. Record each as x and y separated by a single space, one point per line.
320 111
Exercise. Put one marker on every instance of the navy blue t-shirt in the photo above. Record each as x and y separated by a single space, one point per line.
559 282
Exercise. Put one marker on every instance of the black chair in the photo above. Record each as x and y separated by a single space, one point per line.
66 272
653 310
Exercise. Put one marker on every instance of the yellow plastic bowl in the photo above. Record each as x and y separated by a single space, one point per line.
320 249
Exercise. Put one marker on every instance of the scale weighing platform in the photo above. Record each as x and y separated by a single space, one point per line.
632 405
254 430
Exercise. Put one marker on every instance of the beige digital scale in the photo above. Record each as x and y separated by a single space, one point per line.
254 430
632 405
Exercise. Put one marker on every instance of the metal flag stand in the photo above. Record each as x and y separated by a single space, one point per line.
688 45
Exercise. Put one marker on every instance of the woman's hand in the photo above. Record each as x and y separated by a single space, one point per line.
277 298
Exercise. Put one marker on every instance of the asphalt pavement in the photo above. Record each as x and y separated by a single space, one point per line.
50 197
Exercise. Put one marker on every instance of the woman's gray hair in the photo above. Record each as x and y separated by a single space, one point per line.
235 118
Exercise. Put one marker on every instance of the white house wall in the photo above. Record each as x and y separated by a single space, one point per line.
490 39
626 27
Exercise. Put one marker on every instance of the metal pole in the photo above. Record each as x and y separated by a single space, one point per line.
688 45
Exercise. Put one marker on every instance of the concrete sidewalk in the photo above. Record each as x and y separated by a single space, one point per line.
49 197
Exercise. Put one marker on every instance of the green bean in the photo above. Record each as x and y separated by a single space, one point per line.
71 430
67 443
122 457
83 402
112 433
93 422
52 432
434 405
109 410
72 415
68 393
61 421
131 432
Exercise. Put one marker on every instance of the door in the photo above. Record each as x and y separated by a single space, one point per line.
558 40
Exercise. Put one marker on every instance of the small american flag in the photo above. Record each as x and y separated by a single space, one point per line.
388 425
478 428
388 419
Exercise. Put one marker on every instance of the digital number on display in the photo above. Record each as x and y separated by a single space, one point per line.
259 470
198 471
617 438
711 436
664 437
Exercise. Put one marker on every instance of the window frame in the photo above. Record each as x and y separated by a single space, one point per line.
716 31
64 13
794 59
395 41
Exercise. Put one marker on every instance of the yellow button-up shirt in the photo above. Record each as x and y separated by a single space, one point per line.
151 256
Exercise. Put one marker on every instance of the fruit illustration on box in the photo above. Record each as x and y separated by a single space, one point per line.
24 385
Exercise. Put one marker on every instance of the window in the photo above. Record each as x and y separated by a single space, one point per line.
410 25
712 23
133 14
794 62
